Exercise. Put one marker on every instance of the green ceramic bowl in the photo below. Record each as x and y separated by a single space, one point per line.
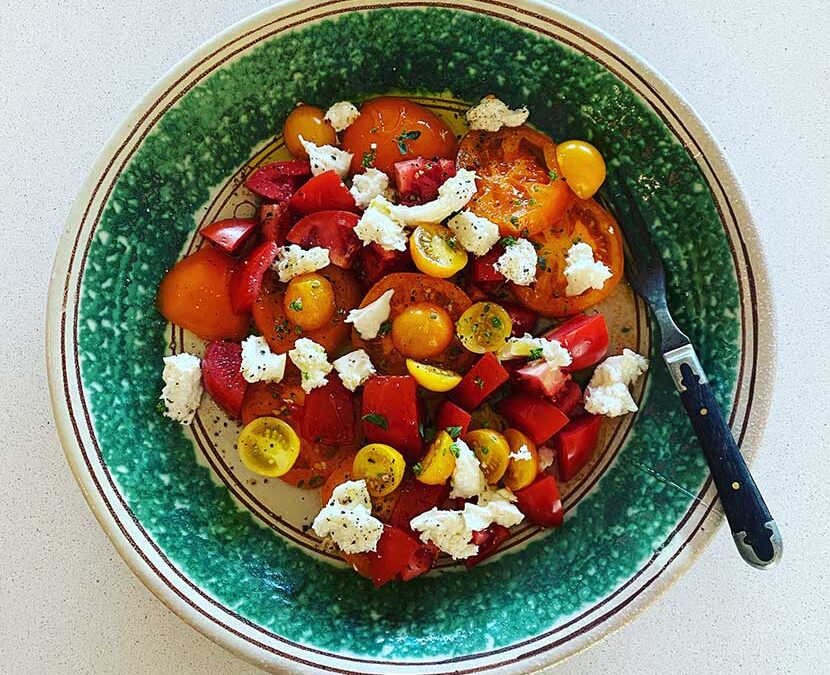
229 552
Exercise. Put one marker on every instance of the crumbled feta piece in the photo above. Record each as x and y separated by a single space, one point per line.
491 114
348 519
312 362
341 115
327 158
367 320
377 226
453 196
497 511
467 477
582 271
545 457
607 392
292 261
475 234
528 346
491 495
518 263
368 185
354 369
523 453
259 363
182 390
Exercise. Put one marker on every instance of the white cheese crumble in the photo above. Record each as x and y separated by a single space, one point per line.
607 392
259 363
377 226
367 320
491 114
518 263
467 477
182 390
354 369
312 362
528 346
348 519
453 196
293 261
582 271
368 185
523 453
341 115
545 457
327 158
475 234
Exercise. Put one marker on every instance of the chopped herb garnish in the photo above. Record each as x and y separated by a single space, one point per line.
532 202
417 468
536 245
454 432
542 262
507 241
479 382
484 450
455 450
427 432
404 137
496 321
385 327
377 419
553 175
536 353
316 481
160 407
525 232
368 159
296 305
626 329
298 330
452 242
514 220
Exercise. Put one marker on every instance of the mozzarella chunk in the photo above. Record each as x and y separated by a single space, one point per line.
518 263
453 196
545 457
312 362
327 158
368 185
341 115
348 520
182 390
607 392
528 346
491 114
582 271
292 261
259 363
467 477
475 234
367 320
354 369
523 453
377 226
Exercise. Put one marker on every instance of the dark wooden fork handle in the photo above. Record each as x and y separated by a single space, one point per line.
755 532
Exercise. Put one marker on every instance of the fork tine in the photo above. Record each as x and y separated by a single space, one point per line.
635 228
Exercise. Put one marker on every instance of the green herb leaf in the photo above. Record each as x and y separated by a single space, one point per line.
626 329
404 137
160 407
368 159
377 419
417 468
509 240
316 481
454 432
536 353
542 262
296 305
385 327
553 175
455 450
496 321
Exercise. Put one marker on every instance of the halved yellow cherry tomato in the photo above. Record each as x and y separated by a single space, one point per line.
438 464
436 252
484 327
492 451
432 377
582 166
381 466
268 446
309 301
520 472
307 121
422 330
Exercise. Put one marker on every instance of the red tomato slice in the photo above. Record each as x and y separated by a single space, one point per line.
483 269
488 541
540 377
222 377
569 399
276 221
390 413
395 551
450 415
534 416
415 498
375 262
418 179
328 414
574 445
279 180
230 234
481 380
333 230
585 337
324 192
523 319
247 278
541 503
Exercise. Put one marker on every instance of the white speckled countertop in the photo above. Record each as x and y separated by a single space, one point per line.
759 79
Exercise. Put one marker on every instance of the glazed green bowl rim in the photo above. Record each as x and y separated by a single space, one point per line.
135 546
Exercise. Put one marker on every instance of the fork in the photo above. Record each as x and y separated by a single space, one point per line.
753 529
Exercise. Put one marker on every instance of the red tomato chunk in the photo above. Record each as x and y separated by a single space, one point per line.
324 192
585 337
481 380
488 542
418 179
390 413
276 221
328 414
574 445
333 230
534 416
230 234
541 503
247 278
279 180
222 377
450 415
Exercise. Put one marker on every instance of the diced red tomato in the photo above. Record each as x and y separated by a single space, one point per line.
574 445
541 503
523 319
399 555
390 401
541 377
418 179
247 278
481 380
376 262
585 337
488 541
276 221
333 230
324 192
222 377
421 562
414 499
279 180
569 399
483 269
328 414
231 233
450 415
532 415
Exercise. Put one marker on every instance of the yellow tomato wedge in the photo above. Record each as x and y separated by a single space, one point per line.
309 301
521 471
492 451
436 252
432 377
381 466
268 446
582 166
438 464
484 327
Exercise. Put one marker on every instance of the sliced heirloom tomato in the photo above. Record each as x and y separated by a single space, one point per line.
540 502
375 262
230 234
532 415
518 187
333 230
328 414
524 319
277 181
418 180
246 280
222 377
276 222
587 222
481 380
585 336
574 445
415 498
399 555
569 399
324 192
390 413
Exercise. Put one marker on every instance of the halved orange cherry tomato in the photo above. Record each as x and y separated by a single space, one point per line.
519 185
309 301
585 221
268 446
381 466
492 451
436 252
582 166
422 330
306 121
520 472
392 129
484 327
438 464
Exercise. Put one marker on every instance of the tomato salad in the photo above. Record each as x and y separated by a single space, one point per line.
400 327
